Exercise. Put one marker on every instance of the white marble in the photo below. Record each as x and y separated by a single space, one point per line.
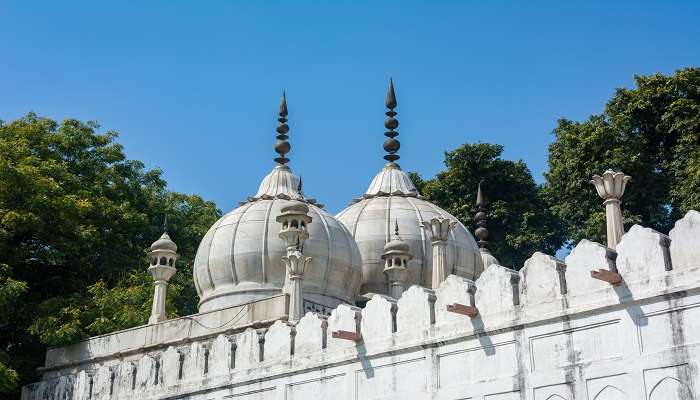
278 341
238 260
220 355
310 334
438 230
589 256
685 241
147 373
542 280
416 309
247 349
643 253
184 329
344 318
102 384
171 360
498 293
371 221
547 333
610 187
162 260
378 317
454 289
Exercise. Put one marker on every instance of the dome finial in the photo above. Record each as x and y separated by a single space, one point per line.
165 223
391 145
299 190
396 227
390 95
481 233
282 146
479 196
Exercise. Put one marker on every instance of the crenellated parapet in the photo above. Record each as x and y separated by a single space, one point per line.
554 327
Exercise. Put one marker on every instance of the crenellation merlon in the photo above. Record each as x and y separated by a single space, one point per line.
108 367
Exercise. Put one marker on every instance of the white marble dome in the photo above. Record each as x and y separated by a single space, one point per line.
239 259
391 198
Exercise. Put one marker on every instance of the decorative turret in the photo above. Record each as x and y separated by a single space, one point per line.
611 187
282 146
163 256
438 230
391 145
481 232
396 257
294 218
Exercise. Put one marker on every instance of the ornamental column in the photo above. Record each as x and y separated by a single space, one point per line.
438 230
610 187
163 256
396 257
294 218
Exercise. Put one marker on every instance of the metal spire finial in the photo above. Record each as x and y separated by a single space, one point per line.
396 227
390 95
282 146
300 190
479 196
165 224
391 145
481 233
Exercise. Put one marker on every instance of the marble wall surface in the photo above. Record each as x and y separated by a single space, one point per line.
547 332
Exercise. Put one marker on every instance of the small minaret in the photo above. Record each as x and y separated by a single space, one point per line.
295 218
481 232
611 187
438 230
396 257
391 145
163 256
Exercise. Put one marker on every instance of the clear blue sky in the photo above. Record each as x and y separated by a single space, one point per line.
193 87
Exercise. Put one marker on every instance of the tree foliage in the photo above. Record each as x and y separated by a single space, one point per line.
76 217
10 292
650 132
519 220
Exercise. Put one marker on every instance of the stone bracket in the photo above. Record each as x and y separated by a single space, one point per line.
457 308
604 275
346 335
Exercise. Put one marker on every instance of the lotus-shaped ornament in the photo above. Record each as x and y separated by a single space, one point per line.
611 185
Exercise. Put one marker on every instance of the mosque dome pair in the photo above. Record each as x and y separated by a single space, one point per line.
239 258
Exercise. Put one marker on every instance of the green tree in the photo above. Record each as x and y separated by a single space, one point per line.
650 132
519 220
11 292
76 218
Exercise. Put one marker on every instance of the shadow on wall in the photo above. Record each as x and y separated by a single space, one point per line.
624 295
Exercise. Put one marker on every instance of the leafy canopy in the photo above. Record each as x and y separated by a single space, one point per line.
519 220
650 132
76 217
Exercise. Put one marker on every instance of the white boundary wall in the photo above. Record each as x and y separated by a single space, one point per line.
547 332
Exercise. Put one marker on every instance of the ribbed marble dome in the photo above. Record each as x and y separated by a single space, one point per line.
239 259
391 198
